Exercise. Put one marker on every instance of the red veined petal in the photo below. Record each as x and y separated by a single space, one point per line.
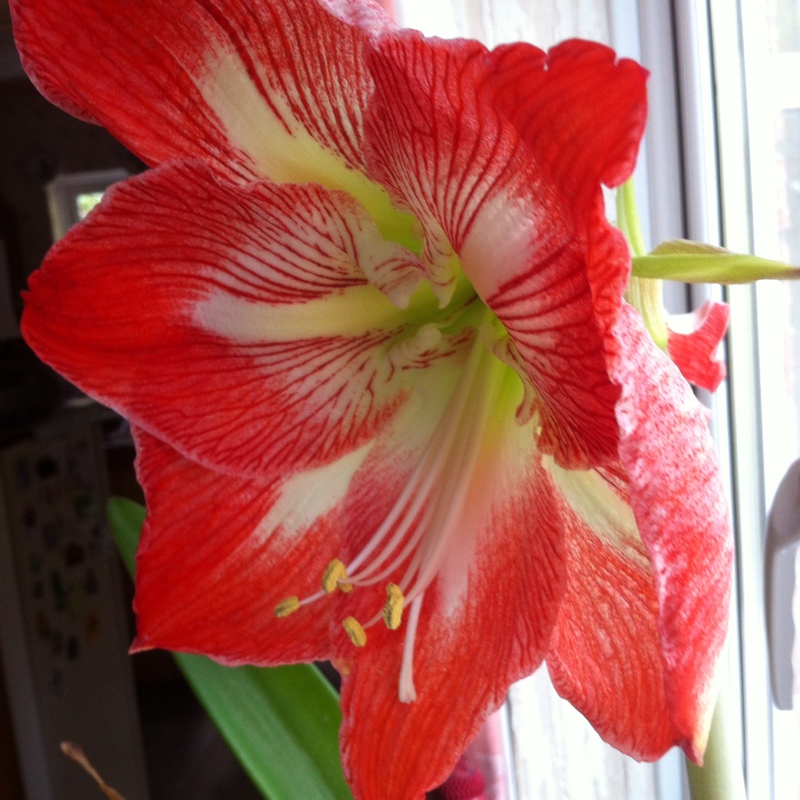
246 87
557 324
605 654
581 111
219 552
682 514
235 323
484 621
695 352
434 142
640 629
441 137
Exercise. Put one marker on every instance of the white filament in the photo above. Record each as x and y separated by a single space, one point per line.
427 473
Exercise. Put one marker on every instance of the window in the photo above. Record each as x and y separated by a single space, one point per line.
765 348
71 197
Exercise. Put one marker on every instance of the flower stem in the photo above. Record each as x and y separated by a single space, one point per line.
720 777
628 218
644 294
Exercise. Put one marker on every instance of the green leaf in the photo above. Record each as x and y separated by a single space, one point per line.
282 723
126 519
692 262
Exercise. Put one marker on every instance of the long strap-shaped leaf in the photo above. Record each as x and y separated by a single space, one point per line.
281 723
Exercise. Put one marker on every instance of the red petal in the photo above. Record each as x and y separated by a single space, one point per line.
218 553
234 323
695 352
640 631
531 236
484 622
220 81
580 111
605 655
682 515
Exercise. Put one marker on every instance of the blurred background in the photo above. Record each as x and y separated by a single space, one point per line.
65 619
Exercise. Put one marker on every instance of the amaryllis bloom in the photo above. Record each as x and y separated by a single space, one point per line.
366 315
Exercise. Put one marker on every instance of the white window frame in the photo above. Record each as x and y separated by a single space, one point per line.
711 37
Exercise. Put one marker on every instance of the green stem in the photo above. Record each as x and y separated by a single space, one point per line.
720 777
645 295
628 218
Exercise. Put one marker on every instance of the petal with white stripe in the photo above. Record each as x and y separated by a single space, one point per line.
512 196
252 89
220 552
490 547
640 630
236 323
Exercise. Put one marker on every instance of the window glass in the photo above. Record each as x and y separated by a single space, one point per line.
86 201
772 69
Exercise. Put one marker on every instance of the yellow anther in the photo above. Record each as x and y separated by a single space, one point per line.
354 630
393 610
287 606
335 575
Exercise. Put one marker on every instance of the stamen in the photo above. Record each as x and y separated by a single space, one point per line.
335 576
354 630
411 519
425 519
287 606
393 610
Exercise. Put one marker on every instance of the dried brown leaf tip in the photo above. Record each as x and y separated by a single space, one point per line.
79 757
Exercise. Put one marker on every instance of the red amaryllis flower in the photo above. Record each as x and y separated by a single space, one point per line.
366 315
